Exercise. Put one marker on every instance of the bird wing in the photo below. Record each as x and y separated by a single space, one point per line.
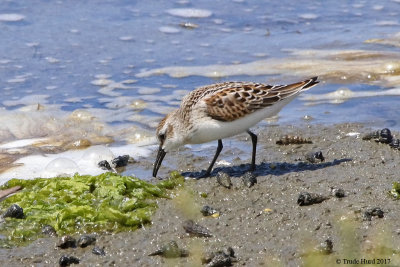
237 99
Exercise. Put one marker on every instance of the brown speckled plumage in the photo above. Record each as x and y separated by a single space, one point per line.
229 101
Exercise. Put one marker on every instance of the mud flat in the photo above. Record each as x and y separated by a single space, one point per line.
265 224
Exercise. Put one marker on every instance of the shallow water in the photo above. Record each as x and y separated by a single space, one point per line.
123 65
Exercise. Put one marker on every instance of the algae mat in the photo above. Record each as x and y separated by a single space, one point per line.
81 204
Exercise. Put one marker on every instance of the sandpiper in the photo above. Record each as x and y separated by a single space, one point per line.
223 110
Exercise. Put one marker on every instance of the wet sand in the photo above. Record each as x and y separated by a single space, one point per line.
263 224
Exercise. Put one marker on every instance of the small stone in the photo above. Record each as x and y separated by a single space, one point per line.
229 251
203 194
49 230
325 247
220 258
313 157
195 229
104 165
385 136
369 213
86 240
120 161
66 260
224 179
249 179
208 211
67 242
338 192
14 211
170 250
395 144
98 251
306 199
382 136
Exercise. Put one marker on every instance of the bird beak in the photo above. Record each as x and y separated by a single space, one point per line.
160 156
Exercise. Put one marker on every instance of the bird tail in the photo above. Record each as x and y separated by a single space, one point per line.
310 83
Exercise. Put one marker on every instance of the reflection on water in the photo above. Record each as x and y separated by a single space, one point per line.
108 71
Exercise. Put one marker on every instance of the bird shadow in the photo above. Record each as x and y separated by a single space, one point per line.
264 168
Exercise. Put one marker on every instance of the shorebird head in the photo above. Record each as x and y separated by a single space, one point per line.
169 137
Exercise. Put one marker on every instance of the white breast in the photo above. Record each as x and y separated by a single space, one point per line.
207 129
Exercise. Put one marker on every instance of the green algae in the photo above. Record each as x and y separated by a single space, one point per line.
81 204
395 192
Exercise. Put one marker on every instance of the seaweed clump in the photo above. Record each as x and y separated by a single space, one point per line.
395 192
81 204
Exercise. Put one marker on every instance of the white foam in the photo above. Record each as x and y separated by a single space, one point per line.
60 167
11 17
101 82
309 16
16 80
126 38
52 60
95 154
102 76
68 163
387 23
356 65
377 7
189 12
343 94
21 143
168 29
27 100
148 90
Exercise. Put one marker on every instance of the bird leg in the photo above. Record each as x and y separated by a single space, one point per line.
219 148
253 156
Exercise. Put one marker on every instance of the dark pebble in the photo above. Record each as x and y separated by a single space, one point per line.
314 157
120 161
382 136
66 260
385 136
14 211
338 192
67 242
49 230
86 240
98 251
395 144
325 247
208 211
229 251
249 179
219 258
195 229
224 179
104 165
170 250
306 198
369 213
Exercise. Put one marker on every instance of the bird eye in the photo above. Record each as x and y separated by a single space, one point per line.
161 137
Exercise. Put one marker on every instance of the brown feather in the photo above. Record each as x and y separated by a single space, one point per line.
230 101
